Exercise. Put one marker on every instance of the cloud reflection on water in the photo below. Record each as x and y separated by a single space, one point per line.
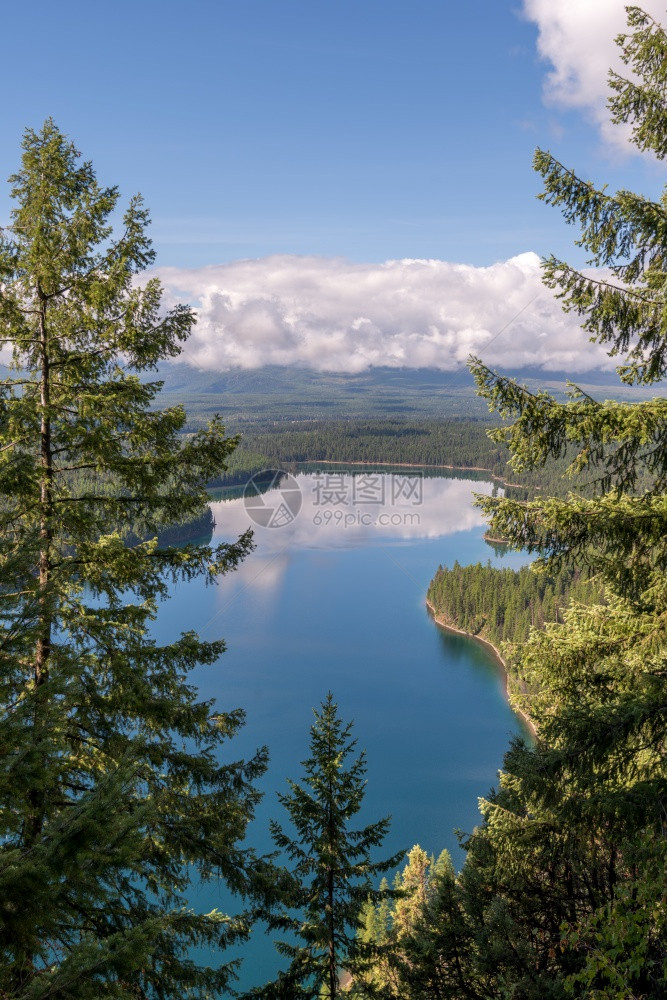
337 512
440 506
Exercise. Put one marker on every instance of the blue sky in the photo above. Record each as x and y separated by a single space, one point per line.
364 129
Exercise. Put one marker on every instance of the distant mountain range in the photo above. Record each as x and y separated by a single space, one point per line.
290 393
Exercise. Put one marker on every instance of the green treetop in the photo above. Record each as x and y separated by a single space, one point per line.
331 865
116 790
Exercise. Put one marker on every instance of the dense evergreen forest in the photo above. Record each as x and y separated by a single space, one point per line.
459 444
502 605
462 443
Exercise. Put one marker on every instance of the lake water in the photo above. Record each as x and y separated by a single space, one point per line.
333 599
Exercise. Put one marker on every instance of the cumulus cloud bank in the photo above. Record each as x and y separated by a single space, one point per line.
577 38
330 314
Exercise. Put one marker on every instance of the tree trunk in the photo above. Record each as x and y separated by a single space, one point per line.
43 647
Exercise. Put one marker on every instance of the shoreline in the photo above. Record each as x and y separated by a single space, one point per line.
410 465
528 722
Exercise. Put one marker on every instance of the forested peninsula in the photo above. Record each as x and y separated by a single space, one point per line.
501 606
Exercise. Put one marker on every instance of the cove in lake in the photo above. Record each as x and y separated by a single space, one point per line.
326 603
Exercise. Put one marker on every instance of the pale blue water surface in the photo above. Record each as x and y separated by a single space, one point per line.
335 601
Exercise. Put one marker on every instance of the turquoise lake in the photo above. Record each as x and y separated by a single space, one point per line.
333 599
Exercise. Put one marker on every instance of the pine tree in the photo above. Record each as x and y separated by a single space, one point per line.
431 957
332 869
115 797
580 817
412 889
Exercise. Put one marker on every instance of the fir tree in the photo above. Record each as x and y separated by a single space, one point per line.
573 843
412 886
331 864
431 954
115 797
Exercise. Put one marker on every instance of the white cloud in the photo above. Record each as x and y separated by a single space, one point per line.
577 38
330 314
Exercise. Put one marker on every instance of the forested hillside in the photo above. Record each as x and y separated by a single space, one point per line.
287 394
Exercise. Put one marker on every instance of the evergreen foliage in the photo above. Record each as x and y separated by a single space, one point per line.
564 886
445 443
417 959
331 866
117 790
424 442
573 843
195 527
